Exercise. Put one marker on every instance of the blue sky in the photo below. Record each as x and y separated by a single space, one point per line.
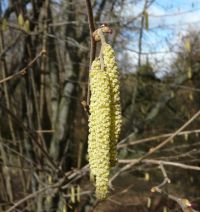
169 22
4 4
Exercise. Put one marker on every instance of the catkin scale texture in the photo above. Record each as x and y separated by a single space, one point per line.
99 128
116 121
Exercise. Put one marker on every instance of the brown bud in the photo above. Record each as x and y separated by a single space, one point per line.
96 36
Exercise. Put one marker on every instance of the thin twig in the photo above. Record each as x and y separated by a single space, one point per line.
32 135
35 194
184 204
153 150
92 42
165 180
71 175
30 196
156 137
23 71
167 163
45 131
92 28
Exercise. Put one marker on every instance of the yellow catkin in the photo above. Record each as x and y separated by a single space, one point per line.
116 119
99 129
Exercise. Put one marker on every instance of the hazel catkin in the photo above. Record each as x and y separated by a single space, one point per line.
105 118
99 129
116 120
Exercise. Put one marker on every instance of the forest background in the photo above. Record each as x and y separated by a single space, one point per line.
45 50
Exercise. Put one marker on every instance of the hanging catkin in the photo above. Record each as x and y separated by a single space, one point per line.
116 120
99 128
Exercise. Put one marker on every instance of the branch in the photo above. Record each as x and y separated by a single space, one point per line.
154 149
168 163
164 182
156 137
30 196
92 42
35 194
32 134
24 70
141 34
184 204
92 28
71 176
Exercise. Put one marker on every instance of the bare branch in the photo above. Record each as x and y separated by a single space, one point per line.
168 163
92 42
23 71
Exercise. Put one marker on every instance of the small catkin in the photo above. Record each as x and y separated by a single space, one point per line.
99 129
116 118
